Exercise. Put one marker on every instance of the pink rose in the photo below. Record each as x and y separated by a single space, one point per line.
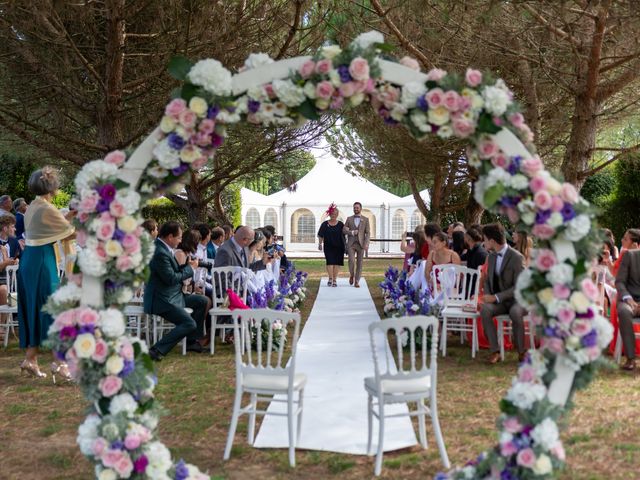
117 209
566 315
516 119
370 85
111 457
110 385
124 466
526 458
101 253
324 66
593 352
307 69
558 451
106 230
202 139
117 157
124 263
199 163
207 126
462 128
175 108
268 88
411 63
130 243
98 446
569 193
132 441
590 289
526 133
545 259
101 351
531 166
87 316
436 74
81 237
359 68
552 344
537 183
556 203
526 374
324 90
512 425
187 119
83 217
487 148
561 291
473 77
434 97
337 103
513 215
500 161
347 89
126 351
542 199
544 231
65 319
88 203
497 121
361 87
451 100
507 449
580 327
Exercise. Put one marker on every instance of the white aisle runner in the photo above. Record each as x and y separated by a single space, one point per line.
334 352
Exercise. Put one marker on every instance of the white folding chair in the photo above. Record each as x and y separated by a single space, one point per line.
413 384
136 319
460 287
265 372
162 326
8 322
505 328
599 277
223 279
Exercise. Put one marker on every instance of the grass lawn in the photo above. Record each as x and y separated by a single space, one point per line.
38 421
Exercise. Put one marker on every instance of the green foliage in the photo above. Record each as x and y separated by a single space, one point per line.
622 212
597 188
14 175
61 199
232 203
162 210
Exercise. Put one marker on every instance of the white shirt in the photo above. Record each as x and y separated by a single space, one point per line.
356 220
201 252
500 257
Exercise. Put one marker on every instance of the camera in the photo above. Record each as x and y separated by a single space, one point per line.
408 235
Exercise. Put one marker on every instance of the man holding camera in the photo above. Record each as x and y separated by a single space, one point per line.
356 228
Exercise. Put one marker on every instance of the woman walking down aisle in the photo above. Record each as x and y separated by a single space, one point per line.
330 235
38 271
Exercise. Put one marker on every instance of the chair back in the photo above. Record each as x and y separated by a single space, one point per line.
224 278
265 339
421 335
12 282
599 277
458 284
138 296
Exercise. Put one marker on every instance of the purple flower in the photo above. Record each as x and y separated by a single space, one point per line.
182 472
588 314
128 367
343 71
253 106
568 213
216 140
507 475
140 465
542 216
180 169
212 112
107 191
117 445
507 201
422 104
175 141
590 339
118 235
86 329
102 205
68 333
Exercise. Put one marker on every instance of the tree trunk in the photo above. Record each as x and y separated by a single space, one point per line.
422 206
435 212
218 214
473 210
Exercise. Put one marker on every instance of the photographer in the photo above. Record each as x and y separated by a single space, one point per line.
414 246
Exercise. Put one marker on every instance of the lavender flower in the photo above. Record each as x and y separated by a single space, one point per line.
176 141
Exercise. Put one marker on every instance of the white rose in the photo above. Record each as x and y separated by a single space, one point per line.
411 92
114 365
123 403
445 131
256 60
309 90
199 106
438 115
113 248
519 182
127 224
553 186
365 40
334 78
107 474
579 302
496 100
212 76
573 343
167 124
543 465
528 218
476 100
545 295
356 99
289 93
167 157
330 51
84 345
397 112
158 172
555 220
560 273
112 322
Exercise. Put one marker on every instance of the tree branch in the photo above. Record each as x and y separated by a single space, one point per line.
292 30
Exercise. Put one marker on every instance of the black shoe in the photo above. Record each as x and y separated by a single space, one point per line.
194 347
155 354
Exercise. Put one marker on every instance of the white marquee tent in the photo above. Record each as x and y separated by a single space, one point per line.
297 215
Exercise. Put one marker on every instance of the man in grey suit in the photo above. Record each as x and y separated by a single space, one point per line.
505 264
356 228
628 286
235 251
163 294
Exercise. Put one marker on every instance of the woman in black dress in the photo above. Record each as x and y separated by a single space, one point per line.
330 235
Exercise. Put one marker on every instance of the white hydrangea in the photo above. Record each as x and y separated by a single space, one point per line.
124 295
92 172
546 434
523 282
419 119
123 403
555 220
226 116
130 200
478 190
67 293
577 228
256 60
519 182
411 92
211 75
496 100
498 175
87 433
159 460
90 264
167 157
112 322
560 273
604 329
524 395
365 40
256 92
289 93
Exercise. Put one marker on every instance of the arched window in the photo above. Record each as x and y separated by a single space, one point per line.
398 224
303 226
415 220
252 218
271 218
372 221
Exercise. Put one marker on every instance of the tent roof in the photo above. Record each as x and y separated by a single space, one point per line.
409 200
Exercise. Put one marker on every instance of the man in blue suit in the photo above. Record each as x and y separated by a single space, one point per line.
163 294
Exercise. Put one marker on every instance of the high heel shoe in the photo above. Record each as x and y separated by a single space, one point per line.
31 369
62 370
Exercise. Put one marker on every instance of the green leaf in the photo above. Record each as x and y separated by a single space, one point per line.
507 407
104 403
188 91
179 66
486 125
176 93
493 194
308 110
384 47
136 349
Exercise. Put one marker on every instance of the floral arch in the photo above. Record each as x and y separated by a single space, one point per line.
115 371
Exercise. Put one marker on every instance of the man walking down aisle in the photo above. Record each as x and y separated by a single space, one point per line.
356 228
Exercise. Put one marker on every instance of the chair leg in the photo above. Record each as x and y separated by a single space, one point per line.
212 344
474 336
184 346
438 434
422 429
234 424
292 432
444 337
252 418
618 350
378 467
501 338
369 422
300 410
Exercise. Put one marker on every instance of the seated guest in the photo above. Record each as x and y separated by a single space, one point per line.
441 254
203 244
20 206
504 266
151 226
609 235
476 253
217 239
7 229
256 248
228 232
415 247
163 294
235 251
275 247
523 243
187 249
628 286
457 242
